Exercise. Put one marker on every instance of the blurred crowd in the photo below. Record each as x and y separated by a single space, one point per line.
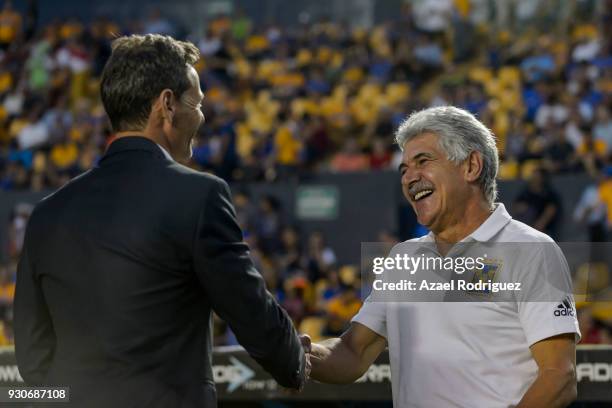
284 102
301 270
319 293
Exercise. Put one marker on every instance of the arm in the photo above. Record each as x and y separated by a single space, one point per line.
238 294
34 334
519 206
555 385
547 215
583 208
343 360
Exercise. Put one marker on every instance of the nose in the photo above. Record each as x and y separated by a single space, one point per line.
410 177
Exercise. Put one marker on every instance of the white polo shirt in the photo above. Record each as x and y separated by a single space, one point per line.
469 354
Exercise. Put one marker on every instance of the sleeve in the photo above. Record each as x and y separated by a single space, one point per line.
34 333
583 204
238 294
373 312
373 315
546 306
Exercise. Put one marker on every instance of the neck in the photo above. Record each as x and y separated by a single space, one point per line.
466 221
156 137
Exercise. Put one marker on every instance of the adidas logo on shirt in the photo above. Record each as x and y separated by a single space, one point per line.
565 308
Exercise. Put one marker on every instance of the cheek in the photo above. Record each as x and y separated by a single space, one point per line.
406 194
454 185
196 119
433 176
444 182
178 120
404 181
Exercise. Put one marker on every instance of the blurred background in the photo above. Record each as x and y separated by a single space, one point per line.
302 100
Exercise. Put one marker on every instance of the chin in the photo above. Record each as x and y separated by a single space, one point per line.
426 220
425 223
187 154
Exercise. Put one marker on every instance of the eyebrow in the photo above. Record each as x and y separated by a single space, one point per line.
415 158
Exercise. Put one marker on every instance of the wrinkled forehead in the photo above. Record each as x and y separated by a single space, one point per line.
426 142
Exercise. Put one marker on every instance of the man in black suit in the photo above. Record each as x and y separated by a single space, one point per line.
123 266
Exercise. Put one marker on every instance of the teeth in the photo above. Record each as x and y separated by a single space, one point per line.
420 194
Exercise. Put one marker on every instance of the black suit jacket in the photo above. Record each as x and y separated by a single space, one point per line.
120 272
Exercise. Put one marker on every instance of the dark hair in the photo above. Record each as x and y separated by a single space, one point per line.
138 70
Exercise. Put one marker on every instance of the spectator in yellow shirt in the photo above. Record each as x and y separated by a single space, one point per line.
288 146
591 151
7 293
340 309
10 24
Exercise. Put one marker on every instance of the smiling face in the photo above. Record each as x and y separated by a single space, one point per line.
436 188
188 119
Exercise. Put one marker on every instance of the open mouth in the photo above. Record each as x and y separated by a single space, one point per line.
422 194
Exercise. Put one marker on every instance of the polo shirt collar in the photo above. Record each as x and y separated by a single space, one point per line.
487 230
492 225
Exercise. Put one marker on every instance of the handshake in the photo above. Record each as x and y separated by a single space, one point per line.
344 359
307 346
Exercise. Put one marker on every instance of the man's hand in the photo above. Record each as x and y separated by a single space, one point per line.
306 343
343 360
307 346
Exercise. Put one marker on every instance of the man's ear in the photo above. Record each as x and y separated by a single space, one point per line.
167 102
473 168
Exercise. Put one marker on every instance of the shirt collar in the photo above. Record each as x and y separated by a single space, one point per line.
132 143
165 152
487 230
492 225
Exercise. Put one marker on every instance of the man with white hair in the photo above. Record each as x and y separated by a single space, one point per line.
466 354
